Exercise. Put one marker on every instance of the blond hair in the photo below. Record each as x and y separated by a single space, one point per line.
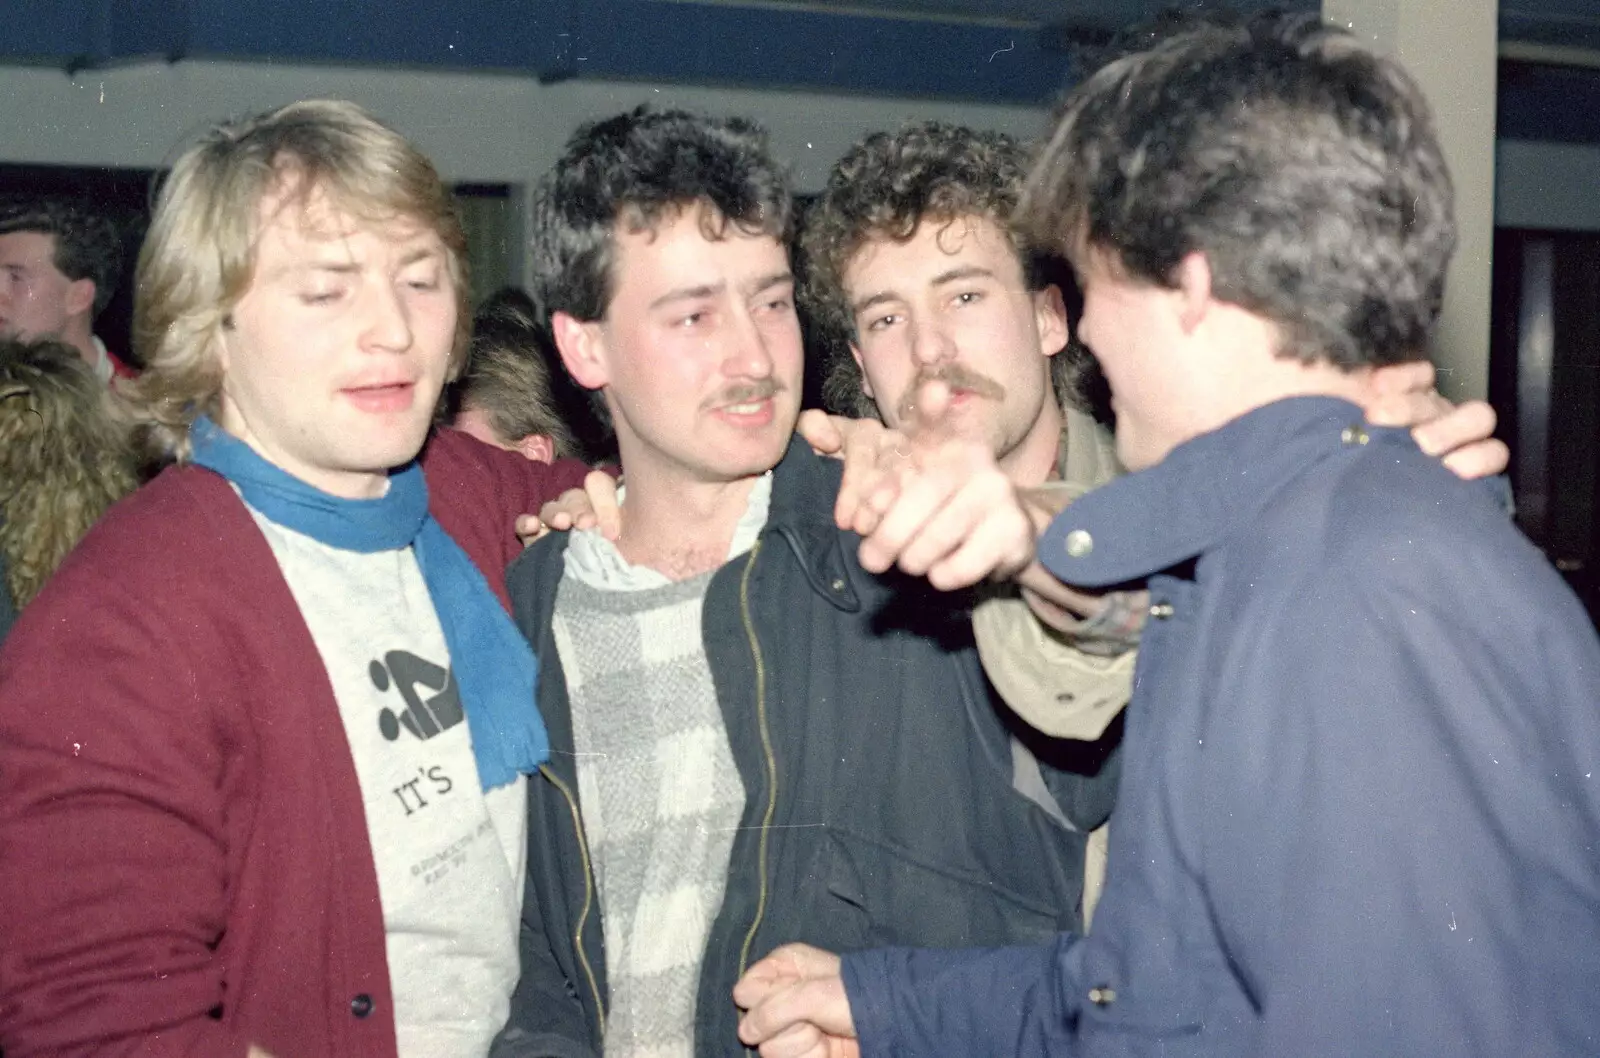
63 460
199 255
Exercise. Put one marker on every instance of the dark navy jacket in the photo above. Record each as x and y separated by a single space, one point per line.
886 802
1360 804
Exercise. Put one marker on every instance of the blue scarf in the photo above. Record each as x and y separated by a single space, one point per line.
494 668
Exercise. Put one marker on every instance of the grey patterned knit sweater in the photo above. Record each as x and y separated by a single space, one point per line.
660 794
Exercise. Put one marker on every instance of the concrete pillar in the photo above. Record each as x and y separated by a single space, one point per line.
1449 46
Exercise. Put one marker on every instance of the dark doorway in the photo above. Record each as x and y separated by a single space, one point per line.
1545 385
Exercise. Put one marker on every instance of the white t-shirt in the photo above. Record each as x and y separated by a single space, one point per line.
450 858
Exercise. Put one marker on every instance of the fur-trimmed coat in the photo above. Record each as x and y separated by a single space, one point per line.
63 461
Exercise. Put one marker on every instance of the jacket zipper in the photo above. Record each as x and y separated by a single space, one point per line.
588 899
766 748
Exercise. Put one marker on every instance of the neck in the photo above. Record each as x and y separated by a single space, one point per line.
1294 379
346 484
1237 369
681 530
80 335
1032 461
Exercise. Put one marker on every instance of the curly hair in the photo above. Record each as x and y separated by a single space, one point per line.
885 187
198 259
87 244
1302 164
637 170
63 459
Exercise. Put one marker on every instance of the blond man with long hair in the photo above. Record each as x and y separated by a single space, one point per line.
264 737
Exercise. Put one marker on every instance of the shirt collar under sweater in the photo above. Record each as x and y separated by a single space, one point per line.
595 561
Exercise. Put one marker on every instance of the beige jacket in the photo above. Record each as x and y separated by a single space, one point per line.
1064 686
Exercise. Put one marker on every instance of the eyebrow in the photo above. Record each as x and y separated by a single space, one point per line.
705 290
708 290
421 253
953 275
881 297
768 282
338 266
962 272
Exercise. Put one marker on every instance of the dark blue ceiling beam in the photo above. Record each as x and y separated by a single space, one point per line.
660 40
773 47
119 31
75 34
648 40
655 40
524 36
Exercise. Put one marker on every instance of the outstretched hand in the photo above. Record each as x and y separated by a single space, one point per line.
933 502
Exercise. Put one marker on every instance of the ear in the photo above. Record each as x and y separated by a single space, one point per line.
582 349
1193 290
537 447
80 297
1050 319
866 386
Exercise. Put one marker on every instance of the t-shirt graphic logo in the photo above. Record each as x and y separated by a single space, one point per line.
423 718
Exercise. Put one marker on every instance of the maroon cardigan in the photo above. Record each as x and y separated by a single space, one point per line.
183 849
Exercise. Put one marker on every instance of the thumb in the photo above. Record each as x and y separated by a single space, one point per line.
930 409
529 528
820 431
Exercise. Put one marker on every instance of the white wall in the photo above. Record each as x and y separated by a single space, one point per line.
477 127
507 129
1449 47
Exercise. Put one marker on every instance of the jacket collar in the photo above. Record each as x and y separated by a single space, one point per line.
1183 506
804 488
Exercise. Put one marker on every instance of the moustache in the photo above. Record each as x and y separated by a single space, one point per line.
960 380
745 392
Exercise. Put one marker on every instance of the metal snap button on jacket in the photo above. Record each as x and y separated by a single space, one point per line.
361 1005
1079 543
